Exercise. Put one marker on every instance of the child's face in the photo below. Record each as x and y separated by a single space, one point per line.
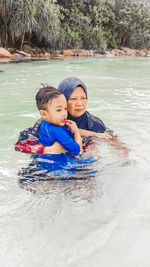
56 112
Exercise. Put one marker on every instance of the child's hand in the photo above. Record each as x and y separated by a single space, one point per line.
72 126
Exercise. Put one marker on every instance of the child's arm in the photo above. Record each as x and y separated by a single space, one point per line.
74 129
62 136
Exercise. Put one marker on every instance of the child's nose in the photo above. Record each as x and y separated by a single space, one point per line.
65 112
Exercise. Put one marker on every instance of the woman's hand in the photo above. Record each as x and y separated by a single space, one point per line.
102 135
105 136
72 126
56 148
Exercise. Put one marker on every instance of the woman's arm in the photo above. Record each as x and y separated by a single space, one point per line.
113 140
31 147
104 135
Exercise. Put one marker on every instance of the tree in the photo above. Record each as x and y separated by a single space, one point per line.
131 17
21 19
90 24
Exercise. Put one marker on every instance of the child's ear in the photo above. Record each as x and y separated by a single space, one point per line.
43 114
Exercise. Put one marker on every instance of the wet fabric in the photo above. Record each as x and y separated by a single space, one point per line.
28 140
88 122
50 133
29 147
61 167
32 133
69 84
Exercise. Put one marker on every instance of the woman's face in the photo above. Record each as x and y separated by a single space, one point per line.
77 102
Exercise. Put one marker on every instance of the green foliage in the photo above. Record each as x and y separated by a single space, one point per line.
132 17
89 24
79 28
23 18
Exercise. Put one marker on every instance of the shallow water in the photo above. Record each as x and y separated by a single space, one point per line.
104 221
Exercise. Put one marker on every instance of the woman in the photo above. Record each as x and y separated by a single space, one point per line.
76 94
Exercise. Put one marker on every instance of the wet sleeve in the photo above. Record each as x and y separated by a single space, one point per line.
28 140
98 126
31 133
29 147
61 136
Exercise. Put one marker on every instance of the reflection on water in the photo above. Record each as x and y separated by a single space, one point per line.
102 219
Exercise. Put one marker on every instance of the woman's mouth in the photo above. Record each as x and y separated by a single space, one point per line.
79 110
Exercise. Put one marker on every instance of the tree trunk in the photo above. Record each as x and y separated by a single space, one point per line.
22 42
29 37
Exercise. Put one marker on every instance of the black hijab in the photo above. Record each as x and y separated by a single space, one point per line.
85 121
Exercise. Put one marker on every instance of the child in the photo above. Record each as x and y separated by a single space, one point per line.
55 127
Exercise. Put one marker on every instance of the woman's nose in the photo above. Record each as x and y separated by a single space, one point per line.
79 102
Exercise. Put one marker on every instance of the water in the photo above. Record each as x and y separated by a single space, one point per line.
104 221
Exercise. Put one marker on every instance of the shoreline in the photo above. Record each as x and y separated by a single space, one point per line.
43 53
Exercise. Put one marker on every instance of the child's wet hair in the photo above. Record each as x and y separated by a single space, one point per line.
44 95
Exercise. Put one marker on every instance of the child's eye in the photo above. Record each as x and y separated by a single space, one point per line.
65 108
58 110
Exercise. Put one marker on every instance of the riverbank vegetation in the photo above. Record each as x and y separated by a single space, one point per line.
84 24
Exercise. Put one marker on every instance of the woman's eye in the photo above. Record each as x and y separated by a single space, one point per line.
58 110
76 99
65 108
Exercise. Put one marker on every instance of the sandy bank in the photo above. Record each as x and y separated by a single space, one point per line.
37 52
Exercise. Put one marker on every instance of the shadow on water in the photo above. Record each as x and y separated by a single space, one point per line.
25 60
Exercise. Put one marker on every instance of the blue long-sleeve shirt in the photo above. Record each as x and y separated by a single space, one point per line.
50 133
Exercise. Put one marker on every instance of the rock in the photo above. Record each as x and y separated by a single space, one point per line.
131 53
78 52
124 51
53 55
22 53
147 54
57 54
85 53
5 53
47 55
109 54
141 53
68 53
41 55
27 48
117 52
